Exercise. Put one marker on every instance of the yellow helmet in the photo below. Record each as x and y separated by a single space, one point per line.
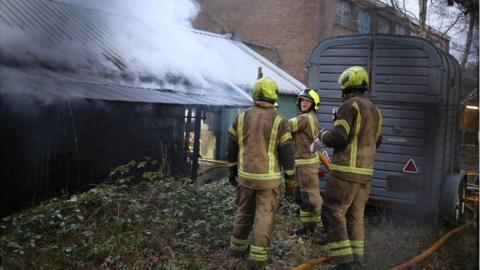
310 94
265 89
355 77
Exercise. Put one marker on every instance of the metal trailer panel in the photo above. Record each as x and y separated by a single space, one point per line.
411 83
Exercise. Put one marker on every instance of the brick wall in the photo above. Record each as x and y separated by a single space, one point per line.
289 28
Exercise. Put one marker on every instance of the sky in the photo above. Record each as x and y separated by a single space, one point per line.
457 34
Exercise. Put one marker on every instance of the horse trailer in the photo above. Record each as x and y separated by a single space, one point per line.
416 86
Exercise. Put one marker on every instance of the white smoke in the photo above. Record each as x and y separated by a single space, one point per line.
175 12
145 39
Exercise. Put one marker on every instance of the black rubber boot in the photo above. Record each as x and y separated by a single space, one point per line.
345 266
357 265
256 265
239 254
321 239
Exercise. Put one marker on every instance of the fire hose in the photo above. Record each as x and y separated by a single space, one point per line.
308 265
410 263
406 265
431 249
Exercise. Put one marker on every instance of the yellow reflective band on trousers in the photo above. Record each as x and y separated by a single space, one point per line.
358 247
238 244
347 169
318 222
306 217
340 248
380 123
344 124
354 145
258 253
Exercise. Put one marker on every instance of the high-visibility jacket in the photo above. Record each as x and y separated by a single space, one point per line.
357 130
263 147
304 129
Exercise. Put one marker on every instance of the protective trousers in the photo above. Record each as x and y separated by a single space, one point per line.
345 204
308 196
255 208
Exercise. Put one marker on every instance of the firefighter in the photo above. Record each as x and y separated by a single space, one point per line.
259 147
304 129
355 136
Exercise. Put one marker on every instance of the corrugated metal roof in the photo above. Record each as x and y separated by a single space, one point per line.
88 57
43 83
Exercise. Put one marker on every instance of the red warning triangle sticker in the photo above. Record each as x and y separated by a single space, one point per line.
410 167
325 154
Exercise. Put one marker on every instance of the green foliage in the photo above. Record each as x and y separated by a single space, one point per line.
146 220
156 223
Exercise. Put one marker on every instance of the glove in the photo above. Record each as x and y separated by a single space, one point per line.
232 179
316 145
232 176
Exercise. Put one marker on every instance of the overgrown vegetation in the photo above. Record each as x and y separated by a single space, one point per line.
156 223
149 221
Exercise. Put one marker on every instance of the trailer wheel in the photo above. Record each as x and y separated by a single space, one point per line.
460 202
452 198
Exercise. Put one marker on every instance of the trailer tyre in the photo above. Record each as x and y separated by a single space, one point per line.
452 199
460 202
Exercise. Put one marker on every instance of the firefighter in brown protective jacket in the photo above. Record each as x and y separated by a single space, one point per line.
304 129
260 146
355 136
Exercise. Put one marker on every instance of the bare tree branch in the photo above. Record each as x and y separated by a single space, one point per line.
394 4
422 12
469 41
453 24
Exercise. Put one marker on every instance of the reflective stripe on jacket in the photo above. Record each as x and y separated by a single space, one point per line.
304 129
259 131
360 121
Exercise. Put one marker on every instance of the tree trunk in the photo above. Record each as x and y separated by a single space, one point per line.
422 12
469 40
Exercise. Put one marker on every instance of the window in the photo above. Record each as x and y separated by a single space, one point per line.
383 25
364 21
343 14
400 30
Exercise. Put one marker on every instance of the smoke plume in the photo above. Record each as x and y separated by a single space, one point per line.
144 43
